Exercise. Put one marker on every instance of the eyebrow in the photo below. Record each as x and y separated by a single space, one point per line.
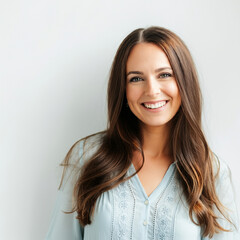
157 70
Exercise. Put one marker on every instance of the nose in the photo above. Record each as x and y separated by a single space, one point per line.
152 87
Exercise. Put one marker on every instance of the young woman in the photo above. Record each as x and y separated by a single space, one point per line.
151 174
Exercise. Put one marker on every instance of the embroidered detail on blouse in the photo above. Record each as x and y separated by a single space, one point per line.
113 217
164 212
124 209
134 204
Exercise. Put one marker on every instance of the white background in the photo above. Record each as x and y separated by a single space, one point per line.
55 58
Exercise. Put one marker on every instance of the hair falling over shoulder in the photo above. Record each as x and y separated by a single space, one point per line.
194 160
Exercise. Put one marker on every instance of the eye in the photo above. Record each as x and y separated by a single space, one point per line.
165 75
135 79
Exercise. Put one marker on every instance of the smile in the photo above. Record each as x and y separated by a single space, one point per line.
154 105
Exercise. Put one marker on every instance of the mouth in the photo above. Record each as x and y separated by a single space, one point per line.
155 105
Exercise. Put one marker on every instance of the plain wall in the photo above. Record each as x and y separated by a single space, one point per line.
55 58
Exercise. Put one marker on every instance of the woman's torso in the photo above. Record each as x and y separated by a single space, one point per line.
126 212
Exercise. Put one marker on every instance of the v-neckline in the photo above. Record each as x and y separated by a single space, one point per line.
160 187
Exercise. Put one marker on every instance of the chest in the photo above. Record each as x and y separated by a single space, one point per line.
150 176
126 212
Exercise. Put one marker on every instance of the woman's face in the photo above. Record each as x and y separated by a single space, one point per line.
151 89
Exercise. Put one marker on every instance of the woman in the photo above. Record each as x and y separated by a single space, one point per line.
151 174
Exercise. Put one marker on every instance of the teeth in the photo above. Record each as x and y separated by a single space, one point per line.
156 105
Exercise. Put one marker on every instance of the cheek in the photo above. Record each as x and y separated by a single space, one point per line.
176 96
133 94
173 91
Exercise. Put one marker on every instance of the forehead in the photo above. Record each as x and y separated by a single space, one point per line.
146 55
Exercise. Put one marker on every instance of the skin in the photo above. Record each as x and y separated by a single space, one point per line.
150 79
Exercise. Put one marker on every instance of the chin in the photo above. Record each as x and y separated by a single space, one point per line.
154 123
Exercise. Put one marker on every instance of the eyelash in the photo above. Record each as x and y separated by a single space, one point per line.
165 75
132 79
162 75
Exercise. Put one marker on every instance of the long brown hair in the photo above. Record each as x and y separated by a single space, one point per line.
194 159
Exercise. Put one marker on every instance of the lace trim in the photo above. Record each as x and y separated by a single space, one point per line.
124 212
164 212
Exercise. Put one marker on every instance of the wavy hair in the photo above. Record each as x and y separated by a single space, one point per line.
194 160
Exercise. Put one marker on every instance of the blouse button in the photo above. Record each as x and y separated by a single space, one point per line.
145 223
146 202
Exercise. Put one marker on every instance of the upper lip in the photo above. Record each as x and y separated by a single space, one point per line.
153 102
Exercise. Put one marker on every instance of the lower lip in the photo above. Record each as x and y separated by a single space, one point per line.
155 109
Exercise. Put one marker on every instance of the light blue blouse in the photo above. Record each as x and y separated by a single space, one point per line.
126 212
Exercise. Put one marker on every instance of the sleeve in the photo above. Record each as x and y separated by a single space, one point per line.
65 226
226 194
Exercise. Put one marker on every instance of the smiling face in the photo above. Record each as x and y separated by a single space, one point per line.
151 89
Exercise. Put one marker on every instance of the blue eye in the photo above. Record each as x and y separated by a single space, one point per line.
135 79
165 75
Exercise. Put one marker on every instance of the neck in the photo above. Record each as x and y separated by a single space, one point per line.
156 141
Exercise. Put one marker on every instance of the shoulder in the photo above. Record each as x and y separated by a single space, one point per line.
221 170
223 184
91 144
226 193
82 150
